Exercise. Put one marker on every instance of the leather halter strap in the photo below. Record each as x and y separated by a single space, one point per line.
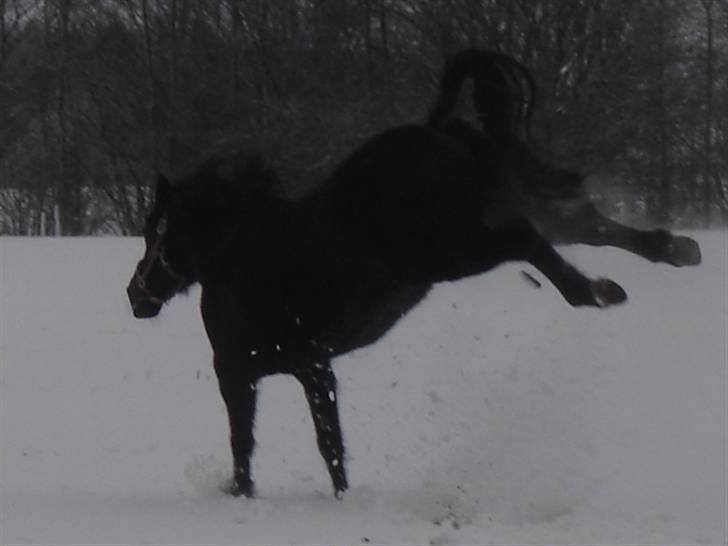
156 252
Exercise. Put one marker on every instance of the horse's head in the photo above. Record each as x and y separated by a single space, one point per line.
191 219
163 271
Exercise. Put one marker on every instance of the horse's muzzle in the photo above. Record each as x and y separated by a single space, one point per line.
141 306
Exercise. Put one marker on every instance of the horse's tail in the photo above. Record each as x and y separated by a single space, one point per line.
503 92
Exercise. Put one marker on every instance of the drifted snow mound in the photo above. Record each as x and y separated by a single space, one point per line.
493 413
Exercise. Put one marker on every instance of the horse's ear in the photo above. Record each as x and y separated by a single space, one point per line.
164 189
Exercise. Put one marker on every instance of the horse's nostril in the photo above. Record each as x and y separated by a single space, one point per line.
141 307
145 309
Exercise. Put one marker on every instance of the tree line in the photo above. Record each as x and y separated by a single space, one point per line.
98 96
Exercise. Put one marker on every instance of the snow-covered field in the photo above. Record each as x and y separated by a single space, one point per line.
494 413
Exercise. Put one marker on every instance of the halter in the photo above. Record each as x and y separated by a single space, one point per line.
156 252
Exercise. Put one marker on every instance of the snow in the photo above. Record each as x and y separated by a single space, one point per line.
493 413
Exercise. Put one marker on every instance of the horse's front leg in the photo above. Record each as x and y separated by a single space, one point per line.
319 383
239 392
585 224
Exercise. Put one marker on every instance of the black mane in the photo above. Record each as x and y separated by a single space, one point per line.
243 175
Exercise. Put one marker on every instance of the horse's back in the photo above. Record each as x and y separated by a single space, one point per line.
408 197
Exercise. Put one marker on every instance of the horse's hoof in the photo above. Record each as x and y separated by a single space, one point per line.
339 494
683 251
607 293
234 488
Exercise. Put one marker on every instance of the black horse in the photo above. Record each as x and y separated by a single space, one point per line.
287 285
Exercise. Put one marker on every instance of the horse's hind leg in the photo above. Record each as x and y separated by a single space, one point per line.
587 225
319 383
519 240
240 394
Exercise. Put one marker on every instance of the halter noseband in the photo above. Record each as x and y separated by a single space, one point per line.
156 252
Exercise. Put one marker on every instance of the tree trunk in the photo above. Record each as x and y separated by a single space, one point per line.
708 138
236 46
664 186
369 46
3 34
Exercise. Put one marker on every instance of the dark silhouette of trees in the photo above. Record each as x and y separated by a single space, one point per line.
96 97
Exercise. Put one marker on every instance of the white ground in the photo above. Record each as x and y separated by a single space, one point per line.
494 413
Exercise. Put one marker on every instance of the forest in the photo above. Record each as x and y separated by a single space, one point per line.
99 96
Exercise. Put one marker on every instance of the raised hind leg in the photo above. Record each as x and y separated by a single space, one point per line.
519 240
240 394
585 224
319 384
